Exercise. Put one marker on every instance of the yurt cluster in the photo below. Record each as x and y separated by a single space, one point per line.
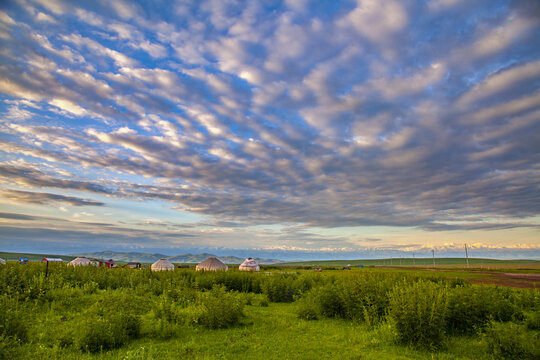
210 264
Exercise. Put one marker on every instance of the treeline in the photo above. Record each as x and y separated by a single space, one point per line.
95 309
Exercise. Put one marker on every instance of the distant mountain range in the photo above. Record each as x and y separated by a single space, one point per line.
186 258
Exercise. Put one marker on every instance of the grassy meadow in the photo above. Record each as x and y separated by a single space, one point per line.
285 313
474 262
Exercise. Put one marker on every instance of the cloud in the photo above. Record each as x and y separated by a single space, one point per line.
30 177
12 216
99 50
376 20
513 107
503 80
56 6
31 197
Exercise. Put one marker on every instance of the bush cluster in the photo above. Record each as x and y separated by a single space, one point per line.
219 309
418 311
104 333
13 327
363 298
511 341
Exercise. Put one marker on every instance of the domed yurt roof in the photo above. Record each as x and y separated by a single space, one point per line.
2 261
162 265
80 261
212 264
249 265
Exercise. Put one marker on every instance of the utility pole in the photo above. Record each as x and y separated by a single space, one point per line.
433 254
467 254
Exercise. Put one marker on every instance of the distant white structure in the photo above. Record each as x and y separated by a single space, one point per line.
249 265
162 265
212 264
80 261
2 261
52 259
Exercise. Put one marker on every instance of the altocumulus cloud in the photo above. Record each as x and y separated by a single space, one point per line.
320 115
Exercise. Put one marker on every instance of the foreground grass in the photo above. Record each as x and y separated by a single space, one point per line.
273 332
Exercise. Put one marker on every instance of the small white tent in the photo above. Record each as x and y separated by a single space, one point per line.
249 265
2 261
212 264
162 265
80 261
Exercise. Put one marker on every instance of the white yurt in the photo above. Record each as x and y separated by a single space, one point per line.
80 261
2 261
162 265
249 265
212 264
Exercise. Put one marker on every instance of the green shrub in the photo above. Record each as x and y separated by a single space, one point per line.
471 308
502 304
181 296
263 301
9 348
512 341
219 309
321 301
307 307
130 324
330 302
365 297
65 336
100 334
90 288
13 320
164 309
533 320
280 288
419 313
468 309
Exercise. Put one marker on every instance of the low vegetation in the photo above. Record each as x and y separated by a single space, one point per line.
90 312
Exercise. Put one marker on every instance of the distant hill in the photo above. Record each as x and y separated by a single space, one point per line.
124 256
185 258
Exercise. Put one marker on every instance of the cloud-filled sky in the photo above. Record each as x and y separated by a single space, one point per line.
314 128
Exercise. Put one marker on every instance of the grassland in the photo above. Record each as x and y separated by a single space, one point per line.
285 313
9 256
476 262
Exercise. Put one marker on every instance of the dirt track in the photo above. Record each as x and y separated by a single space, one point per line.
528 281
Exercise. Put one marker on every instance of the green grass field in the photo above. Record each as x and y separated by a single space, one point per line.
412 261
276 332
368 313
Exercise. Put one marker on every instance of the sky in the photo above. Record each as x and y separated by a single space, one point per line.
290 129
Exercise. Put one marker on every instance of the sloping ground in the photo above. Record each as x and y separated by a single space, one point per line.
33 257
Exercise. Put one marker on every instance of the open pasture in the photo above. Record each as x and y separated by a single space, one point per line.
371 313
421 262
